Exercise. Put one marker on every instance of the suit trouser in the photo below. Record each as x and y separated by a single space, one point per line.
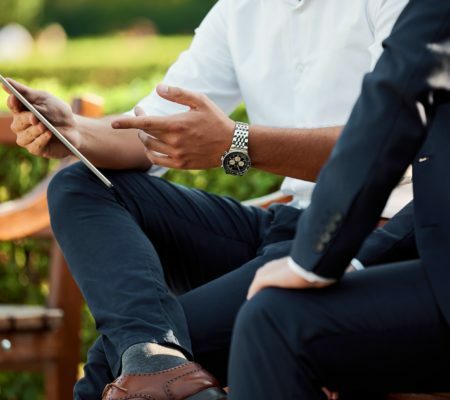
127 246
377 330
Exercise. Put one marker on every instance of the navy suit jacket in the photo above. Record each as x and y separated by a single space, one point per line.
402 117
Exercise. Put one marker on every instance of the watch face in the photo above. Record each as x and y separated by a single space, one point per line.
236 163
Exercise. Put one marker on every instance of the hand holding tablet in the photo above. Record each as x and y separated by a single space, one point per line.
51 128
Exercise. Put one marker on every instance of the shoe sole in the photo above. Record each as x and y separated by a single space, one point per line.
209 394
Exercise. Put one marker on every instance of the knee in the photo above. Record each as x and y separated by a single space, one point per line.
69 189
66 182
256 316
275 311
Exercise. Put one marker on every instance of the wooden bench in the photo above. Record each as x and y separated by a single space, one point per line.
42 338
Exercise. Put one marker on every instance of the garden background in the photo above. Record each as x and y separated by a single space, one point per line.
118 50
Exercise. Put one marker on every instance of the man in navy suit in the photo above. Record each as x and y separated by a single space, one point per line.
383 329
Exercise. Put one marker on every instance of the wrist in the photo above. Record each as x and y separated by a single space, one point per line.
76 135
230 126
236 160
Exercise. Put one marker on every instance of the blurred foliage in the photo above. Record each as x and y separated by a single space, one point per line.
106 61
96 65
23 12
27 386
87 17
81 69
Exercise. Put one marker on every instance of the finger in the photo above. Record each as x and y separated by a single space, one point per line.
166 161
331 395
27 136
256 286
14 104
144 123
181 96
160 159
22 121
155 144
30 94
38 146
6 89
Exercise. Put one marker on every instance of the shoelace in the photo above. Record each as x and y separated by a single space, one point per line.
112 385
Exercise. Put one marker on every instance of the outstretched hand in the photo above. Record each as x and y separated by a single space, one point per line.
195 139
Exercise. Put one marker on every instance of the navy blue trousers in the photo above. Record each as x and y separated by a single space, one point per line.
377 331
160 263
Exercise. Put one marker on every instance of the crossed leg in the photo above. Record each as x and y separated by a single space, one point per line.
131 249
377 331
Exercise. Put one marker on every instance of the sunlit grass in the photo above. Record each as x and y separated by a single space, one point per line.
120 69
111 51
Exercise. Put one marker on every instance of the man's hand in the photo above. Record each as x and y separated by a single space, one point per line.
192 140
278 274
31 133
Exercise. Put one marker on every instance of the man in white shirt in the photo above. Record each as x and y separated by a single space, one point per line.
298 66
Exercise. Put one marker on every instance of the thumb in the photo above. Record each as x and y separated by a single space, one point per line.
181 96
30 94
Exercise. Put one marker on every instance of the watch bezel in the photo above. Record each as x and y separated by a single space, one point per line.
232 153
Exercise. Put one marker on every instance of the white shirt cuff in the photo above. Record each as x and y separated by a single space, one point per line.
307 275
358 265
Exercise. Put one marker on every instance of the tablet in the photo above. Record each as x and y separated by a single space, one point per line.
55 132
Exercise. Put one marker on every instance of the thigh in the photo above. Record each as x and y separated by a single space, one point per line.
211 310
198 236
377 330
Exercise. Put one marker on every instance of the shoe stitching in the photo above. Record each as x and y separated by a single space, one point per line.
138 396
115 384
169 382
160 372
168 392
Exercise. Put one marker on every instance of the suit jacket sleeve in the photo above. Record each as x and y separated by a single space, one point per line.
385 132
395 241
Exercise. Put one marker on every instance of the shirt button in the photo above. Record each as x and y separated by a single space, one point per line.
301 67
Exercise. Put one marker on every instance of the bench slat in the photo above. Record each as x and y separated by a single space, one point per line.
29 318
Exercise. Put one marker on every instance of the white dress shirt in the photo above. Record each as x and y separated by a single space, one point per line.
294 63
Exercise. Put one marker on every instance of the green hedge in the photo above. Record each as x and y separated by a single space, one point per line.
22 11
87 17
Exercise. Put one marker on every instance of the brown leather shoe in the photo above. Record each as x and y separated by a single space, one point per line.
186 382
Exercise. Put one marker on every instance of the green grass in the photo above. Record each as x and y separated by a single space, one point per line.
115 51
120 69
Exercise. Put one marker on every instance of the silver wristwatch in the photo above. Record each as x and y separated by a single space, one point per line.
236 161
